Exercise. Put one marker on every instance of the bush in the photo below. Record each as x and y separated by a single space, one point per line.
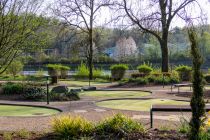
14 68
184 72
184 128
118 71
83 72
34 93
159 79
69 96
12 88
207 78
136 75
119 125
67 127
142 81
139 81
73 96
146 69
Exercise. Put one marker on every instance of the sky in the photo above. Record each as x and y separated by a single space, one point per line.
204 4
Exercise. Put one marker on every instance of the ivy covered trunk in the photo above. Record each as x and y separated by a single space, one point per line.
197 102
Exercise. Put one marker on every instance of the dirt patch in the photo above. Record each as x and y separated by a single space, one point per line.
158 135
152 134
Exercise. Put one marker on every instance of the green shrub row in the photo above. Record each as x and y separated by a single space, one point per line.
118 126
26 91
158 80
32 92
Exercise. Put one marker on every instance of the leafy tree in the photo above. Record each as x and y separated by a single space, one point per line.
204 43
18 23
15 67
156 19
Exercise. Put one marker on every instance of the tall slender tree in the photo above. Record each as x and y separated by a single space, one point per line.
197 102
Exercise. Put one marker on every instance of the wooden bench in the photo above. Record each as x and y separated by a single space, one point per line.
171 108
183 85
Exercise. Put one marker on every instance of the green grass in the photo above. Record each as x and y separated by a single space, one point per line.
139 105
10 110
83 83
115 94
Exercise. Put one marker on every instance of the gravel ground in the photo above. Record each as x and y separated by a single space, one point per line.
87 109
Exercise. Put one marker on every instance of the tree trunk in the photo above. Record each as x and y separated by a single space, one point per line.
90 57
165 58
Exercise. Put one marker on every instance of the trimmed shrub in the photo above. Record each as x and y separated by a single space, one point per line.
12 88
118 71
146 69
34 93
64 71
68 127
54 72
53 69
185 72
207 78
119 125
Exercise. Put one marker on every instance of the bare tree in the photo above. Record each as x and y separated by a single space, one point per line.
18 22
82 14
155 17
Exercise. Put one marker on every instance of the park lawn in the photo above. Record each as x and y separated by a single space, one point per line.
83 83
115 94
138 105
15 110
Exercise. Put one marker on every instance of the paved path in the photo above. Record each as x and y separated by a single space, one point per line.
86 108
